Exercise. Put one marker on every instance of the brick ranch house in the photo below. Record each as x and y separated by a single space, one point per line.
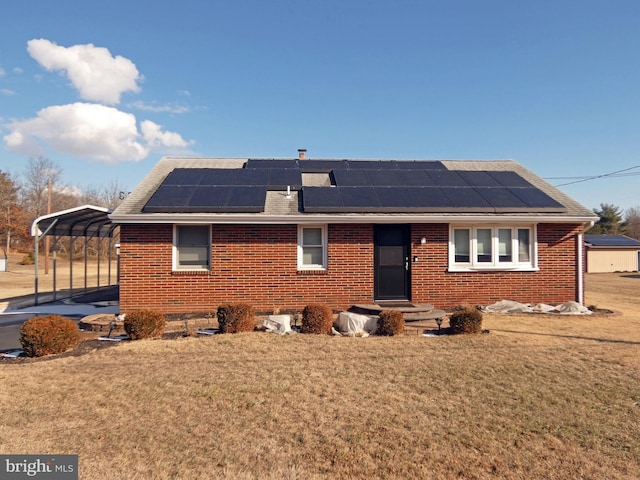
283 233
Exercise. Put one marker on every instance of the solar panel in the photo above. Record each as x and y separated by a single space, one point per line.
321 199
420 165
252 176
359 197
510 179
466 197
281 178
270 163
479 179
184 176
218 176
382 177
209 196
500 198
322 166
414 178
535 198
246 199
372 164
447 178
167 198
351 178
431 197
396 199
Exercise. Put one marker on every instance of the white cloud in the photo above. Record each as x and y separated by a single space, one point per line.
90 131
18 70
96 74
7 92
2 72
166 108
158 139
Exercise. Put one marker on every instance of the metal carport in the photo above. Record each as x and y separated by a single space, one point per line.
87 221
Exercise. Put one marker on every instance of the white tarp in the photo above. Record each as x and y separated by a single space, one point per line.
279 324
509 306
355 323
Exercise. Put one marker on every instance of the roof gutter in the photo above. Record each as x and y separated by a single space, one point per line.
159 218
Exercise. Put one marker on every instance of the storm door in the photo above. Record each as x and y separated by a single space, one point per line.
391 262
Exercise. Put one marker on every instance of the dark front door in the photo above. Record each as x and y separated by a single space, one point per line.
391 262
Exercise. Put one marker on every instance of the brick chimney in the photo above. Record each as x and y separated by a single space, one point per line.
302 152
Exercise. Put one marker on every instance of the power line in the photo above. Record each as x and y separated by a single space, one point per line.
617 173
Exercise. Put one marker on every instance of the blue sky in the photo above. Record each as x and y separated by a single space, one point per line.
105 89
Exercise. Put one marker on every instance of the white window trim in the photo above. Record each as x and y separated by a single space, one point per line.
494 265
325 249
175 266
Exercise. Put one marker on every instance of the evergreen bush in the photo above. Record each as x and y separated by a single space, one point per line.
48 335
467 320
236 318
141 324
391 323
317 318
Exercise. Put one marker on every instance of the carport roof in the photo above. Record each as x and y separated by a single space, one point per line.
84 221
611 241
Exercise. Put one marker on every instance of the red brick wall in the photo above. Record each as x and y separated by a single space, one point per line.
254 264
554 283
258 264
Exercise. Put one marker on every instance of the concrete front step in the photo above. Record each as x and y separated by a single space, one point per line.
432 315
375 309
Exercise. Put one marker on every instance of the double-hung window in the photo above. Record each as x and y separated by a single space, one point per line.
494 247
312 247
192 247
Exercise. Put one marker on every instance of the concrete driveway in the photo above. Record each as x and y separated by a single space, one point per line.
98 302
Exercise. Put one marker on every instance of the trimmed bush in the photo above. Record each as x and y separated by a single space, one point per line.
141 324
48 335
391 323
236 318
317 318
468 320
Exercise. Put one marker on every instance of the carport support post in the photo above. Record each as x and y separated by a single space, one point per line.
37 235
109 260
85 264
35 262
99 242
55 270
71 239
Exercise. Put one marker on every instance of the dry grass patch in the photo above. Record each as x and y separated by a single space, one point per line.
540 397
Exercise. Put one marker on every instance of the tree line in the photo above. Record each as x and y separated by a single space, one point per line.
614 221
37 191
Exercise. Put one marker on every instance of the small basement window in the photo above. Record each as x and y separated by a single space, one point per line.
192 247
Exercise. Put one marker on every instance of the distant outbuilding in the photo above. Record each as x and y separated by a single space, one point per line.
612 253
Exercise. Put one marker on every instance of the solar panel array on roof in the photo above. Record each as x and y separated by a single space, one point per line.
358 186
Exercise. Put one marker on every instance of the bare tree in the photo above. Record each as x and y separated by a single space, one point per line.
40 172
8 199
109 195
632 220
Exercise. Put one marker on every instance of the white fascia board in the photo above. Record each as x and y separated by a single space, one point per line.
332 218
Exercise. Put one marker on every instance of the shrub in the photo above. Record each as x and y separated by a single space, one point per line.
317 318
28 259
141 324
236 318
48 335
467 320
391 323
